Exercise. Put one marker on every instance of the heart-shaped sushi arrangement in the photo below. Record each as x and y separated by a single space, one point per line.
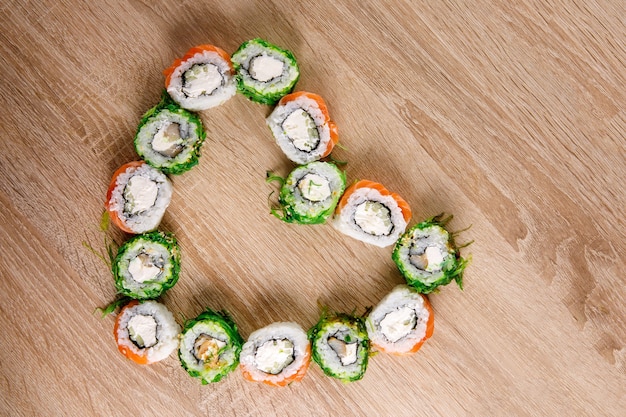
168 141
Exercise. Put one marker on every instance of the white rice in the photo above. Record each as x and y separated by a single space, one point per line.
282 111
344 221
166 332
400 296
275 331
150 219
203 102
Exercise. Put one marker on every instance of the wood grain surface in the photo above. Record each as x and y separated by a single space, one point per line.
510 115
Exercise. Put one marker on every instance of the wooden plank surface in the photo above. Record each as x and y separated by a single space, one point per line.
510 115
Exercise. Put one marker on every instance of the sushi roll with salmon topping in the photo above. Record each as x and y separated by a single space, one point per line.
169 137
276 355
146 332
264 71
401 322
302 127
428 257
310 193
369 212
147 265
209 346
201 79
340 346
137 197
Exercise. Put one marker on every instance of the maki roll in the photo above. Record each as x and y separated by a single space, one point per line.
369 212
209 346
302 127
401 322
427 256
138 197
310 193
276 355
146 332
264 71
147 265
340 346
169 137
201 79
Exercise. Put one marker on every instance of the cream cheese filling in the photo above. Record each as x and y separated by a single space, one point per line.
398 324
264 68
142 269
301 130
373 218
201 79
167 140
140 194
345 351
314 187
142 330
274 355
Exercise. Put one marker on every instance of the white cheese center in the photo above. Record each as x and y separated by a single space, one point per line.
142 330
142 270
140 193
167 140
201 79
207 348
263 68
314 187
301 130
345 351
274 355
434 257
398 324
373 218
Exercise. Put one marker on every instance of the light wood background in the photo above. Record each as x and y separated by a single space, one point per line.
510 115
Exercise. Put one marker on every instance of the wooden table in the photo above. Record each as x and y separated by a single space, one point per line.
511 116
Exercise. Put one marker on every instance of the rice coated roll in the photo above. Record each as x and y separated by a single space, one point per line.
264 71
201 79
427 256
137 197
340 346
310 193
147 265
369 212
401 322
169 137
302 127
146 332
210 346
277 355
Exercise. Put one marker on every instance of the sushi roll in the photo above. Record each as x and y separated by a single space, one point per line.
340 346
137 197
302 127
368 212
147 265
276 355
146 332
310 193
264 71
169 137
427 256
209 346
201 79
401 322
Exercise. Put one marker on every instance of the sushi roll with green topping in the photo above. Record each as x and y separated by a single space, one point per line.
147 265
427 256
264 71
169 137
401 322
340 346
209 346
310 193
